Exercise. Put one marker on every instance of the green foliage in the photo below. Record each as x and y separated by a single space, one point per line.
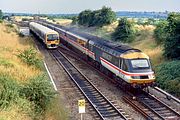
6 63
124 32
100 17
160 32
39 91
1 14
85 17
9 90
30 57
168 77
172 42
75 20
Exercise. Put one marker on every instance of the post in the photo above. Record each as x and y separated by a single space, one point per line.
81 116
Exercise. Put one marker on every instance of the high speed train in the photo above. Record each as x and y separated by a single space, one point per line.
49 37
122 62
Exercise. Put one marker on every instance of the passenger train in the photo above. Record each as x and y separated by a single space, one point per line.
122 62
49 37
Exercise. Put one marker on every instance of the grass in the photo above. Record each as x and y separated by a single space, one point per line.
19 18
10 43
145 41
56 110
20 72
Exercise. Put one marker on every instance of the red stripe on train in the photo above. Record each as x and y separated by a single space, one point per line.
129 74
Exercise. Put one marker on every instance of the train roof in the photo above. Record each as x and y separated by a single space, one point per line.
112 47
42 28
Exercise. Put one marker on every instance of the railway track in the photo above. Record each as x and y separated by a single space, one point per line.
154 108
104 108
151 107
159 108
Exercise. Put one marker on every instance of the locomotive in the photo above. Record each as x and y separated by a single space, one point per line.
124 63
49 37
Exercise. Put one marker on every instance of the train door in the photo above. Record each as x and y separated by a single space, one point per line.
97 54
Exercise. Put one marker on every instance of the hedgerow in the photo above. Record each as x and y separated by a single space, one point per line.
168 77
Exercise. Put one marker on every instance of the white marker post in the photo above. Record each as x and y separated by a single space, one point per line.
81 104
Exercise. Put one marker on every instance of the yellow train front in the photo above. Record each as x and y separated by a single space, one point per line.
49 37
136 69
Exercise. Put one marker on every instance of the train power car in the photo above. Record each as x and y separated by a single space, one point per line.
122 62
49 37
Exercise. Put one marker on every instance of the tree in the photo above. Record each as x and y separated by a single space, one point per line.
1 14
107 16
100 17
160 32
74 20
124 32
85 17
172 42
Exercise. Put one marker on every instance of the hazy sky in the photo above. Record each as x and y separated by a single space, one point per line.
75 6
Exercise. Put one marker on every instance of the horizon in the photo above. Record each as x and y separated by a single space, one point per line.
78 13
75 7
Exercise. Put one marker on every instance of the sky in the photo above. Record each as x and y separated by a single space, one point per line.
76 6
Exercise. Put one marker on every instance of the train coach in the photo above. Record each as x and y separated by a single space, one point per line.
49 37
119 61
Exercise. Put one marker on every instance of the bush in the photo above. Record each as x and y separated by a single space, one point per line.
30 57
9 91
39 91
160 32
168 77
124 32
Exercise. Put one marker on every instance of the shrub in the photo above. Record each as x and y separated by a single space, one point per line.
168 76
30 57
9 90
124 32
39 91
160 32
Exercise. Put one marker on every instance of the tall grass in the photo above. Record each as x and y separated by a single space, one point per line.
25 92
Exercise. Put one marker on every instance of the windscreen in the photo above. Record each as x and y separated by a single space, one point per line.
51 37
140 63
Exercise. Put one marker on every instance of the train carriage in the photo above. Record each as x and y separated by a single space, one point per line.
124 63
128 63
49 37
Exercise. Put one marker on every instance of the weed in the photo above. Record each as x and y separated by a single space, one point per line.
6 63
39 91
30 57
8 90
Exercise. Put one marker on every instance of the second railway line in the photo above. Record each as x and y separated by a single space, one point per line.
150 102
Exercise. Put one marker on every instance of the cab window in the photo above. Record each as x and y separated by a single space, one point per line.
52 37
